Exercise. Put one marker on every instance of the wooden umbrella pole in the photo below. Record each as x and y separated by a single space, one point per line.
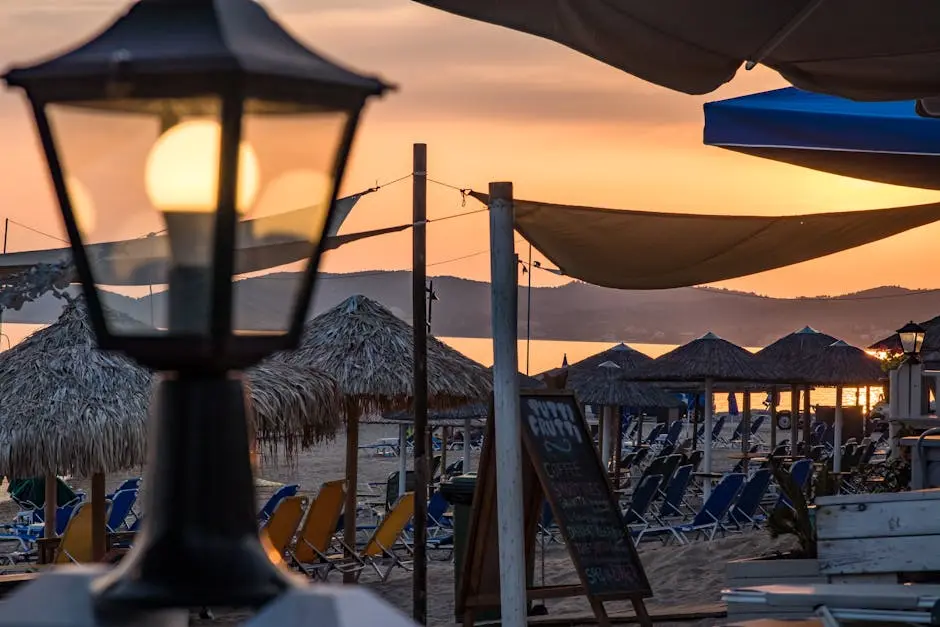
868 408
746 424
51 493
618 452
98 517
773 418
807 427
794 417
837 435
352 481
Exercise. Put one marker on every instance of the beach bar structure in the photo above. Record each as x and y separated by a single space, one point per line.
369 351
68 408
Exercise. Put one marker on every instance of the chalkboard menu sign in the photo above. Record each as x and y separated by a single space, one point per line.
563 454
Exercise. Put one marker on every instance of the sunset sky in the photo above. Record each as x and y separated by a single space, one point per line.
496 105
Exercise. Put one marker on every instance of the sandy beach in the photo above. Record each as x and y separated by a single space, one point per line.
681 576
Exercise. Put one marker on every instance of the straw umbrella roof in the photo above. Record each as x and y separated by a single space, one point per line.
929 352
708 357
843 364
793 354
67 407
608 385
626 357
370 353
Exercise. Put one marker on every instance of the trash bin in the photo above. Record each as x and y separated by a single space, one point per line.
459 492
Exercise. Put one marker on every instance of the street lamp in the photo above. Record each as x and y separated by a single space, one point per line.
204 124
912 339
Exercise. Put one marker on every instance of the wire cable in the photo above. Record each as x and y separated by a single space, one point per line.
37 231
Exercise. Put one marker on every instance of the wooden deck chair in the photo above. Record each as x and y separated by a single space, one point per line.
380 552
75 545
279 529
311 553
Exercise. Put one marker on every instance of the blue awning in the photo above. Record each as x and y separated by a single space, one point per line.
885 142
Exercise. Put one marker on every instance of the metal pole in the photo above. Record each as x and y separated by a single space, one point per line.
504 285
402 457
707 483
419 290
773 418
837 435
795 418
528 316
807 426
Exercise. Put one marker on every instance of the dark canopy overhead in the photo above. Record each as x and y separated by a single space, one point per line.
875 141
624 249
708 357
861 49
843 364
622 355
793 354
607 384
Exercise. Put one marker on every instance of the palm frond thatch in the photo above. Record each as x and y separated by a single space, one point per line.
626 357
793 354
607 385
67 407
843 364
369 351
708 357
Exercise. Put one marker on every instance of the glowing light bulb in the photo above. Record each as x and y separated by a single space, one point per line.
83 205
182 170
293 205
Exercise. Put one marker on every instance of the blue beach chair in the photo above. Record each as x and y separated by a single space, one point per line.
122 506
643 496
674 498
800 472
744 512
708 520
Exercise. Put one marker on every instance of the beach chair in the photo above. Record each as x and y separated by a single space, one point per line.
695 458
654 434
756 424
744 511
636 514
311 552
672 435
279 529
736 434
128 484
800 472
437 522
75 543
708 521
674 497
384 550
122 505
717 429
548 529
281 493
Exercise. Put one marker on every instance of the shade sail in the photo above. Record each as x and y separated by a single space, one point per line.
861 49
142 261
637 249
876 141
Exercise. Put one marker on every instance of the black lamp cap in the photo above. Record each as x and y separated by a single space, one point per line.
176 48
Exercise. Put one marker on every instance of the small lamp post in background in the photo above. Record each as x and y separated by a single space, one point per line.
183 119
912 340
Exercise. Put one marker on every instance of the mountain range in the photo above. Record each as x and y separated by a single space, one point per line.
575 311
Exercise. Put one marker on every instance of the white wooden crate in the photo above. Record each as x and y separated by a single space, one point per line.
878 534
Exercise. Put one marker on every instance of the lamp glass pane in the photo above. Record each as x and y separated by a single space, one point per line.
277 236
142 178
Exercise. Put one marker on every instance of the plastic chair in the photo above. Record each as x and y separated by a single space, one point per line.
708 521
122 504
75 544
744 512
323 521
674 497
800 473
279 529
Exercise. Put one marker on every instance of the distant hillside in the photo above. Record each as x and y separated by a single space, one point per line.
575 311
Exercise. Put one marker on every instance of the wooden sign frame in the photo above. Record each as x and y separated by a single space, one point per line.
479 585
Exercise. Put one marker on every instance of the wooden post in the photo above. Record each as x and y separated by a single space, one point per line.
707 484
695 423
837 434
868 408
504 287
419 312
746 424
794 417
443 451
603 435
807 426
466 445
98 517
52 492
618 451
773 418
402 457
352 481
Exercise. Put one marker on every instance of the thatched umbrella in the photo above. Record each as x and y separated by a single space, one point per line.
370 353
792 355
607 385
929 352
627 357
839 365
66 407
707 359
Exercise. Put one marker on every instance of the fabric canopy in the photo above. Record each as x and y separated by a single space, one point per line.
861 49
142 261
645 250
876 141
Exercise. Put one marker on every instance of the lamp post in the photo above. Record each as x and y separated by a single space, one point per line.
183 119
912 340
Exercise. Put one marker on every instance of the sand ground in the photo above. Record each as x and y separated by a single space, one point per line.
680 576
